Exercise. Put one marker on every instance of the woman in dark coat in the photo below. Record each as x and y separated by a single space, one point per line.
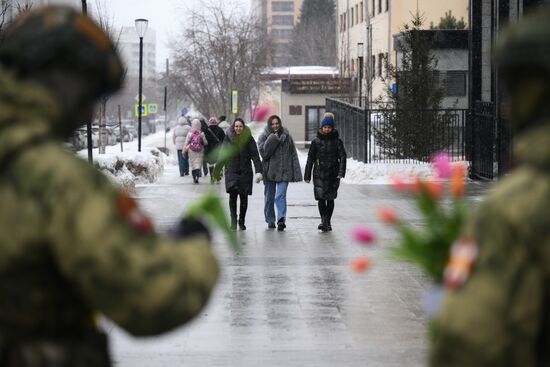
327 157
238 172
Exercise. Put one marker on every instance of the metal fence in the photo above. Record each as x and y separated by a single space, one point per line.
399 136
483 136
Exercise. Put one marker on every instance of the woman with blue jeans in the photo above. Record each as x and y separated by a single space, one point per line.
281 166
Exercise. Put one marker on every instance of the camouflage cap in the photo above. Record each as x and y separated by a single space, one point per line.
525 43
58 36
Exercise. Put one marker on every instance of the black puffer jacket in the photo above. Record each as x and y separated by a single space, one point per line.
327 157
238 172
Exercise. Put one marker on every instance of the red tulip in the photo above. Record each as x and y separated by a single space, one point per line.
387 215
360 264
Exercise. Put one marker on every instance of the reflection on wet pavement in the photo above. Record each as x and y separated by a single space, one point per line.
290 299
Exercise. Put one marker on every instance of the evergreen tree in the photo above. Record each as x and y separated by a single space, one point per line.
411 127
314 37
449 21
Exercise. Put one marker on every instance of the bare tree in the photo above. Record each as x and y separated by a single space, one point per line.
6 11
221 49
106 22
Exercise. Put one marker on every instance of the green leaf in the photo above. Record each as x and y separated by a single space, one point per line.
210 206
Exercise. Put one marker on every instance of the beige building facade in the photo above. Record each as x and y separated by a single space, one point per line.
366 29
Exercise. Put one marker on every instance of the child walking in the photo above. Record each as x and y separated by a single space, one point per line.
327 158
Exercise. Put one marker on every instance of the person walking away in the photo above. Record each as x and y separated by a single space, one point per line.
194 144
215 136
499 314
281 166
223 123
179 135
72 245
238 171
327 159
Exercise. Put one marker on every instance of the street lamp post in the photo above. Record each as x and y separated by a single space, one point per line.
360 58
141 28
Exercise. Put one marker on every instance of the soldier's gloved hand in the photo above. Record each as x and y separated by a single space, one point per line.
188 227
259 177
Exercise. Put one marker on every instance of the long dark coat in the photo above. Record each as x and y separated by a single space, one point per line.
327 157
238 172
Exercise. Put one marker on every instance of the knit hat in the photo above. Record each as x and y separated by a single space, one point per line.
327 121
212 121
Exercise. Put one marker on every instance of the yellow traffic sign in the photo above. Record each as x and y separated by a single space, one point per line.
144 110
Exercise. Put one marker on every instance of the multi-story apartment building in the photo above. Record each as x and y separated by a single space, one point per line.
278 18
366 30
128 44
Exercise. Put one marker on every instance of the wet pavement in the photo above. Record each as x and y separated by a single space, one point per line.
290 298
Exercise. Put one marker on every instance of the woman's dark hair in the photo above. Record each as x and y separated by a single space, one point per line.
222 118
273 117
239 119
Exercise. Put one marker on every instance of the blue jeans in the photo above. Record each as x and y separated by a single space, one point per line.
274 195
183 163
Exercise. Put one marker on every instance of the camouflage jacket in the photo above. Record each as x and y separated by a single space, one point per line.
501 316
72 244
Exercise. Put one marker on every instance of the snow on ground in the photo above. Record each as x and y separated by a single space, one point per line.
130 167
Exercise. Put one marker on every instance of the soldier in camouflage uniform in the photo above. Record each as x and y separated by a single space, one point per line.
501 315
71 244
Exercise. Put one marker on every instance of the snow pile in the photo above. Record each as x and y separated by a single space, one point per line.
130 167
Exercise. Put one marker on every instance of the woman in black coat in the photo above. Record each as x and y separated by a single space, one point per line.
327 157
238 172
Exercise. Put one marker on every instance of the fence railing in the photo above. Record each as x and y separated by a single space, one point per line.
483 137
399 136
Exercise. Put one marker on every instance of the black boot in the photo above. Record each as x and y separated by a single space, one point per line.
281 224
328 226
242 227
233 211
322 226
242 211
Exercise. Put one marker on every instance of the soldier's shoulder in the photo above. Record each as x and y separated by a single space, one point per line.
65 169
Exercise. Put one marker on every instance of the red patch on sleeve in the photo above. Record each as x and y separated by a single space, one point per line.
129 210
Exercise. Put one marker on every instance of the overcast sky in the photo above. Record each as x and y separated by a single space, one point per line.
165 17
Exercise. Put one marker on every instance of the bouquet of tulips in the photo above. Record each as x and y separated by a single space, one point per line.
440 201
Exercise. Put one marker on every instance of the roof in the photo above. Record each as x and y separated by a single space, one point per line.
300 72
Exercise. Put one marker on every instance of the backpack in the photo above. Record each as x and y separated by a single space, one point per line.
196 144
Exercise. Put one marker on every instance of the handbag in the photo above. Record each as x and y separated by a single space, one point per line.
185 151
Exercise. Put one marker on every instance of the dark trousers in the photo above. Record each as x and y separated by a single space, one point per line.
183 163
233 207
326 208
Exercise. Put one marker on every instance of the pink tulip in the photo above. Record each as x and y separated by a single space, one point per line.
261 112
442 165
363 235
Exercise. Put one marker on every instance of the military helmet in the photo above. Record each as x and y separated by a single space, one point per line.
59 36
526 43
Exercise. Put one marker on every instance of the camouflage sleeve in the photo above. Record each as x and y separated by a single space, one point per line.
104 246
495 318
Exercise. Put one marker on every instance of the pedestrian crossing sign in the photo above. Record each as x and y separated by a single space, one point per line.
234 101
144 110
153 108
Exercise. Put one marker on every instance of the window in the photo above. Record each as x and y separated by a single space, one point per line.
362 15
387 5
379 6
281 33
380 64
352 18
373 67
282 6
356 14
454 83
283 20
372 8
295 110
